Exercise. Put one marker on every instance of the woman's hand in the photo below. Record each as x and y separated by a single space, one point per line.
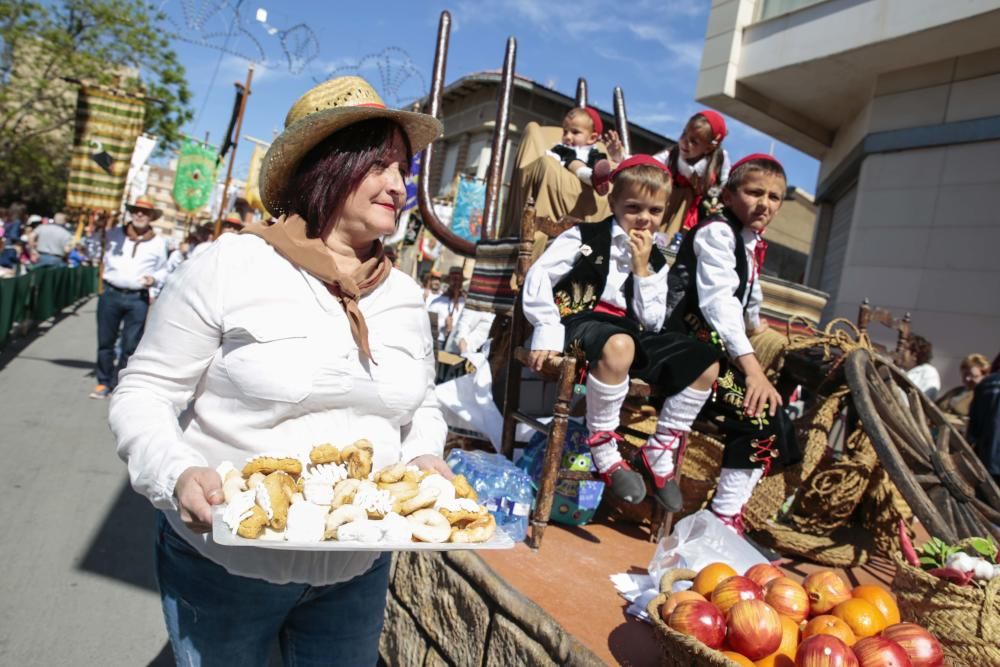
433 464
641 243
196 491
536 358
616 149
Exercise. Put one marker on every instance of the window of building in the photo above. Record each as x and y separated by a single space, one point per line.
448 169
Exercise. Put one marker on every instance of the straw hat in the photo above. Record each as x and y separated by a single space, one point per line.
233 218
143 204
330 106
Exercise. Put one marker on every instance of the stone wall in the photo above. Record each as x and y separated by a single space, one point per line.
450 608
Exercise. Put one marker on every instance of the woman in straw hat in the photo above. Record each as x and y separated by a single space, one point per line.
277 339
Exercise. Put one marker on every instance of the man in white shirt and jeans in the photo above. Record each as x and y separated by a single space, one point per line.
135 260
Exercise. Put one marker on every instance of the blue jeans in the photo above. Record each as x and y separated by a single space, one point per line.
45 259
217 618
118 310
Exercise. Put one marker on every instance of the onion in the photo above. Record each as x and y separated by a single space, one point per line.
923 649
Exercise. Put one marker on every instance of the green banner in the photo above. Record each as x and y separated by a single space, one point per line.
195 177
106 128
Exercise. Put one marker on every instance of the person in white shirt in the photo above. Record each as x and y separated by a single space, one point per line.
275 340
446 308
592 291
135 262
715 299
916 360
471 332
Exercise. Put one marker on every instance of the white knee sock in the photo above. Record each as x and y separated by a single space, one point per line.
678 413
584 174
735 487
604 403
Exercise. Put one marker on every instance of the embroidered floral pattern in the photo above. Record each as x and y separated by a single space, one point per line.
577 299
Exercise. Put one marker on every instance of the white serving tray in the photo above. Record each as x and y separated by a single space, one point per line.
222 535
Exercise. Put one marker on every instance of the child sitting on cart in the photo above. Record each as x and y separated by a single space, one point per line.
582 128
715 298
593 291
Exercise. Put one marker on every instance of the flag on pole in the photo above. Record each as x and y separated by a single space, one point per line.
107 126
195 177
253 179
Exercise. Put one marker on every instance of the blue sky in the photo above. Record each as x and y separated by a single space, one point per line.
651 48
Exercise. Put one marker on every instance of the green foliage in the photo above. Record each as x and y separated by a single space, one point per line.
118 44
935 553
986 548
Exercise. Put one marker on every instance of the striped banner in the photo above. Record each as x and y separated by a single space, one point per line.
106 129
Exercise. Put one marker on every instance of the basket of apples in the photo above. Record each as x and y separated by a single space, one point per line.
954 591
764 618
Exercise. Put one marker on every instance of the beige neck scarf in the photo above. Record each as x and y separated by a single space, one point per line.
288 237
138 238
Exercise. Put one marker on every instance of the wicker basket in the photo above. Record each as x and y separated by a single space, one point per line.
680 650
965 619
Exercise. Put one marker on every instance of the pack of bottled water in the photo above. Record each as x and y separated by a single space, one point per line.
506 490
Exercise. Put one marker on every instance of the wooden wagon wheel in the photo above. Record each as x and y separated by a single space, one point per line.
930 462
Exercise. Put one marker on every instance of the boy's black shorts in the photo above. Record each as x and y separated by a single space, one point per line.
588 332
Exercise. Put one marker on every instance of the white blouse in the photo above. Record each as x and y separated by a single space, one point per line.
649 305
717 280
243 354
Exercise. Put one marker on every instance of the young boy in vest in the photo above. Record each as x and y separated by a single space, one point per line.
715 298
593 290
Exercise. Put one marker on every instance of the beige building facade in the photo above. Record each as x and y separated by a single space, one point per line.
900 102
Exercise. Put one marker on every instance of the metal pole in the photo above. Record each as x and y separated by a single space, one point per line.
451 240
498 153
581 93
232 156
621 120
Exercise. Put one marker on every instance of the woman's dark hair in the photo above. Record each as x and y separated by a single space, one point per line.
921 348
336 166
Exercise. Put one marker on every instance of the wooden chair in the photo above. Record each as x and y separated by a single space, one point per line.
561 369
868 314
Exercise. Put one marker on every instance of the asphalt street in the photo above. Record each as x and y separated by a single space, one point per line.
76 573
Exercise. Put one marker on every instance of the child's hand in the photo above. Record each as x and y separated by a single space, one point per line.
536 359
616 149
641 243
760 392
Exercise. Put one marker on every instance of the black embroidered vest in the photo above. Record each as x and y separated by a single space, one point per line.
580 289
683 312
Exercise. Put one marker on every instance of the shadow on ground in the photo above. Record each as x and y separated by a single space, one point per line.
122 548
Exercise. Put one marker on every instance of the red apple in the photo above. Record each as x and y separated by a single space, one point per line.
761 573
668 607
788 598
754 629
826 590
701 620
824 651
880 652
733 590
923 649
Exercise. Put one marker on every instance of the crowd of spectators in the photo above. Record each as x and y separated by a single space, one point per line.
28 242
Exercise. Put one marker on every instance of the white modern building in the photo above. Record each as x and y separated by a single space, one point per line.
900 102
